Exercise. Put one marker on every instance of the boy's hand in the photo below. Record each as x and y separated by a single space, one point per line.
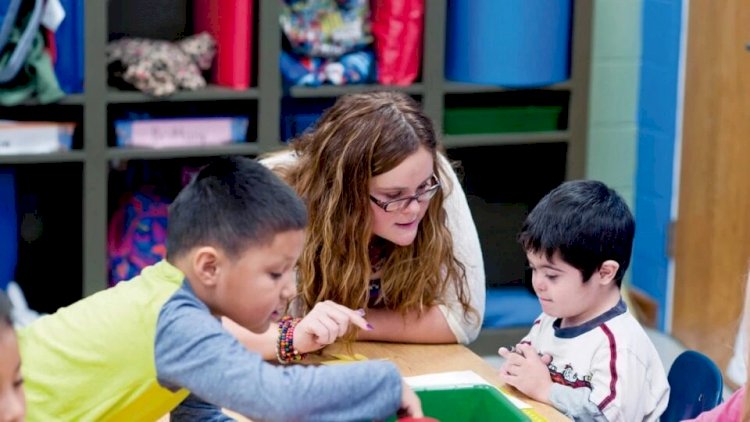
525 370
324 324
410 404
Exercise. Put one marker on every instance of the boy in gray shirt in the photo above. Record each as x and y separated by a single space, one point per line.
135 351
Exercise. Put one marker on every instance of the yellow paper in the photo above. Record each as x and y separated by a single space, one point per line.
342 358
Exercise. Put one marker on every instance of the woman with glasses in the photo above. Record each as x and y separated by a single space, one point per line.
389 231
389 227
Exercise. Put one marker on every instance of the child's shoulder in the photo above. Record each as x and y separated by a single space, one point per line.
628 325
627 333
620 330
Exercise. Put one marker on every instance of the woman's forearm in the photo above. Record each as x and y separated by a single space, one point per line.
264 344
391 326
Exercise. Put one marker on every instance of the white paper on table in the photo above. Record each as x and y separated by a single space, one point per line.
457 379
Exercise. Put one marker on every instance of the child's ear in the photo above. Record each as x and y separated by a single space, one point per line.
206 265
608 270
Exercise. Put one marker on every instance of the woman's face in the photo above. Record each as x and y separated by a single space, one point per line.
411 177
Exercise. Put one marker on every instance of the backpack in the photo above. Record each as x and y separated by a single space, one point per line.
14 16
137 233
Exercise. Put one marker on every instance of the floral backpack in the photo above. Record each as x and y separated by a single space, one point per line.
136 234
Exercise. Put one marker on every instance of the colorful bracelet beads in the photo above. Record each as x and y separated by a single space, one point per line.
285 352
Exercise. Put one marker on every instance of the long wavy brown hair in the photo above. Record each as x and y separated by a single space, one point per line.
362 136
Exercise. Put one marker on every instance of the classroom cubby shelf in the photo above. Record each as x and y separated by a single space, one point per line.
97 152
210 93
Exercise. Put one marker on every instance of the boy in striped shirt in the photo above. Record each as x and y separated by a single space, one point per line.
586 354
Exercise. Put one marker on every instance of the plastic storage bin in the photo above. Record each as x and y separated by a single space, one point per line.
468 404
513 43
181 132
501 119
298 115
35 137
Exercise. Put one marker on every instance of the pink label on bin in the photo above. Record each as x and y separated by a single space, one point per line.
178 132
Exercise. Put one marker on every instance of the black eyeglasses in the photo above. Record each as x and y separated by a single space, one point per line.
400 204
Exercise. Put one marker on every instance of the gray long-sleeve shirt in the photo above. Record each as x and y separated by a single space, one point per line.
194 352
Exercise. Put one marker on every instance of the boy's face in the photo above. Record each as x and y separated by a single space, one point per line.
254 290
408 178
562 292
12 401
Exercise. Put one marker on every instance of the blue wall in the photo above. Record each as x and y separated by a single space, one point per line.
657 112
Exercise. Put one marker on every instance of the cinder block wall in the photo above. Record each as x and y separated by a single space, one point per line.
613 101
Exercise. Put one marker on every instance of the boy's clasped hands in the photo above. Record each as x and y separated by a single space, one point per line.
526 370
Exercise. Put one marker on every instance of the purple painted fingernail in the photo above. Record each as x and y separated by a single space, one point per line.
370 327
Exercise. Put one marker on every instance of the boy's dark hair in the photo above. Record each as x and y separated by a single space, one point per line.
232 203
5 308
586 222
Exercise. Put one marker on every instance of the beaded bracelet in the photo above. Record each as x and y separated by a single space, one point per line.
285 352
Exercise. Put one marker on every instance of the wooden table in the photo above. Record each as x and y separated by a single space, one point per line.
420 359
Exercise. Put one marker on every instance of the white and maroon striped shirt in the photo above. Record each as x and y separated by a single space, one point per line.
604 367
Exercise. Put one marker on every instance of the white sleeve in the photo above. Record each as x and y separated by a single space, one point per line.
574 403
468 252
632 389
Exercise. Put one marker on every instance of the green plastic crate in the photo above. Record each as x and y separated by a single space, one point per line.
468 404
458 121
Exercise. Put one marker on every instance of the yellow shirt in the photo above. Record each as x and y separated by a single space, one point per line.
94 360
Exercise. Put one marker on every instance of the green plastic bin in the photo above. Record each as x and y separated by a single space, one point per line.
477 403
467 120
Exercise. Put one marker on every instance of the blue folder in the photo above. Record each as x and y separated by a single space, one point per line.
8 227
69 41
